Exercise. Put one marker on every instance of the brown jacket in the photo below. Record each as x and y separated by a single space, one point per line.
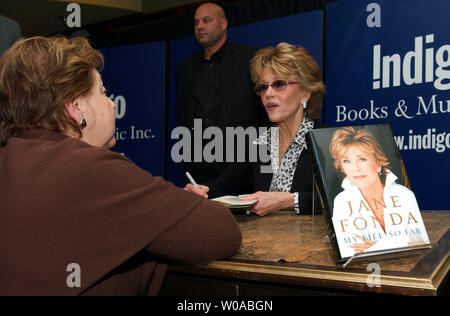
65 202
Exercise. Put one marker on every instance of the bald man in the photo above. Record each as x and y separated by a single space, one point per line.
214 85
210 28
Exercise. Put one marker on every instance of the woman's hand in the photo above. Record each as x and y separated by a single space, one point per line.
416 243
201 190
361 247
270 202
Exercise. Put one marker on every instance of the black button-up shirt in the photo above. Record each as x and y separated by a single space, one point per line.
207 89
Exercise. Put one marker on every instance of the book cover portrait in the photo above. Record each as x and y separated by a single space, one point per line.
369 204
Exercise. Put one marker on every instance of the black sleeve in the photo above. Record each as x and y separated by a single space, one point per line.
303 184
235 180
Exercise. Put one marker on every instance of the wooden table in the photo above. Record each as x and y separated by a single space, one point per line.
286 254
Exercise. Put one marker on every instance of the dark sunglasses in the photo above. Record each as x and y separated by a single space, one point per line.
277 85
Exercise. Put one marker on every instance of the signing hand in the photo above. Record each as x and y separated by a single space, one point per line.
270 201
201 190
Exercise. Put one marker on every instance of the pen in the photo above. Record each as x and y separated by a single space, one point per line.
191 179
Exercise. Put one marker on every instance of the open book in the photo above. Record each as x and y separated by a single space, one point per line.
368 203
233 201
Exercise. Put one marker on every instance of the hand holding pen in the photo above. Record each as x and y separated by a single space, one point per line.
193 187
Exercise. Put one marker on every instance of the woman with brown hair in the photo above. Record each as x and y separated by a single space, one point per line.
373 212
76 218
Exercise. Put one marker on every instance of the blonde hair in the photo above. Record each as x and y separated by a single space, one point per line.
289 62
348 136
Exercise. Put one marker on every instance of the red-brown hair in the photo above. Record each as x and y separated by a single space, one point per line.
38 76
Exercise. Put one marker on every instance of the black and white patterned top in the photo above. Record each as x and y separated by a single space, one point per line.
283 175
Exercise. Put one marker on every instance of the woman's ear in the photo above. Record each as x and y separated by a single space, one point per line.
73 110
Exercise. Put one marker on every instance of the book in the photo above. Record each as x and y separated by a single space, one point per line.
232 201
369 207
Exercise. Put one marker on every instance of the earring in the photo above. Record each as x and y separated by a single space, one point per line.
83 123
304 105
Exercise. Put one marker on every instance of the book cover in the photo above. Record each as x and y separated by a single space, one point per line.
369 206
233 201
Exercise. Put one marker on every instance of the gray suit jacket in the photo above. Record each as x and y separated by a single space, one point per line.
9 33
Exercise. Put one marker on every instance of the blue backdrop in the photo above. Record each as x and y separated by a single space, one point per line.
389 62
386 62
134 79
303 29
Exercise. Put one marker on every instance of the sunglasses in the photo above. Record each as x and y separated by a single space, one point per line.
277 85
